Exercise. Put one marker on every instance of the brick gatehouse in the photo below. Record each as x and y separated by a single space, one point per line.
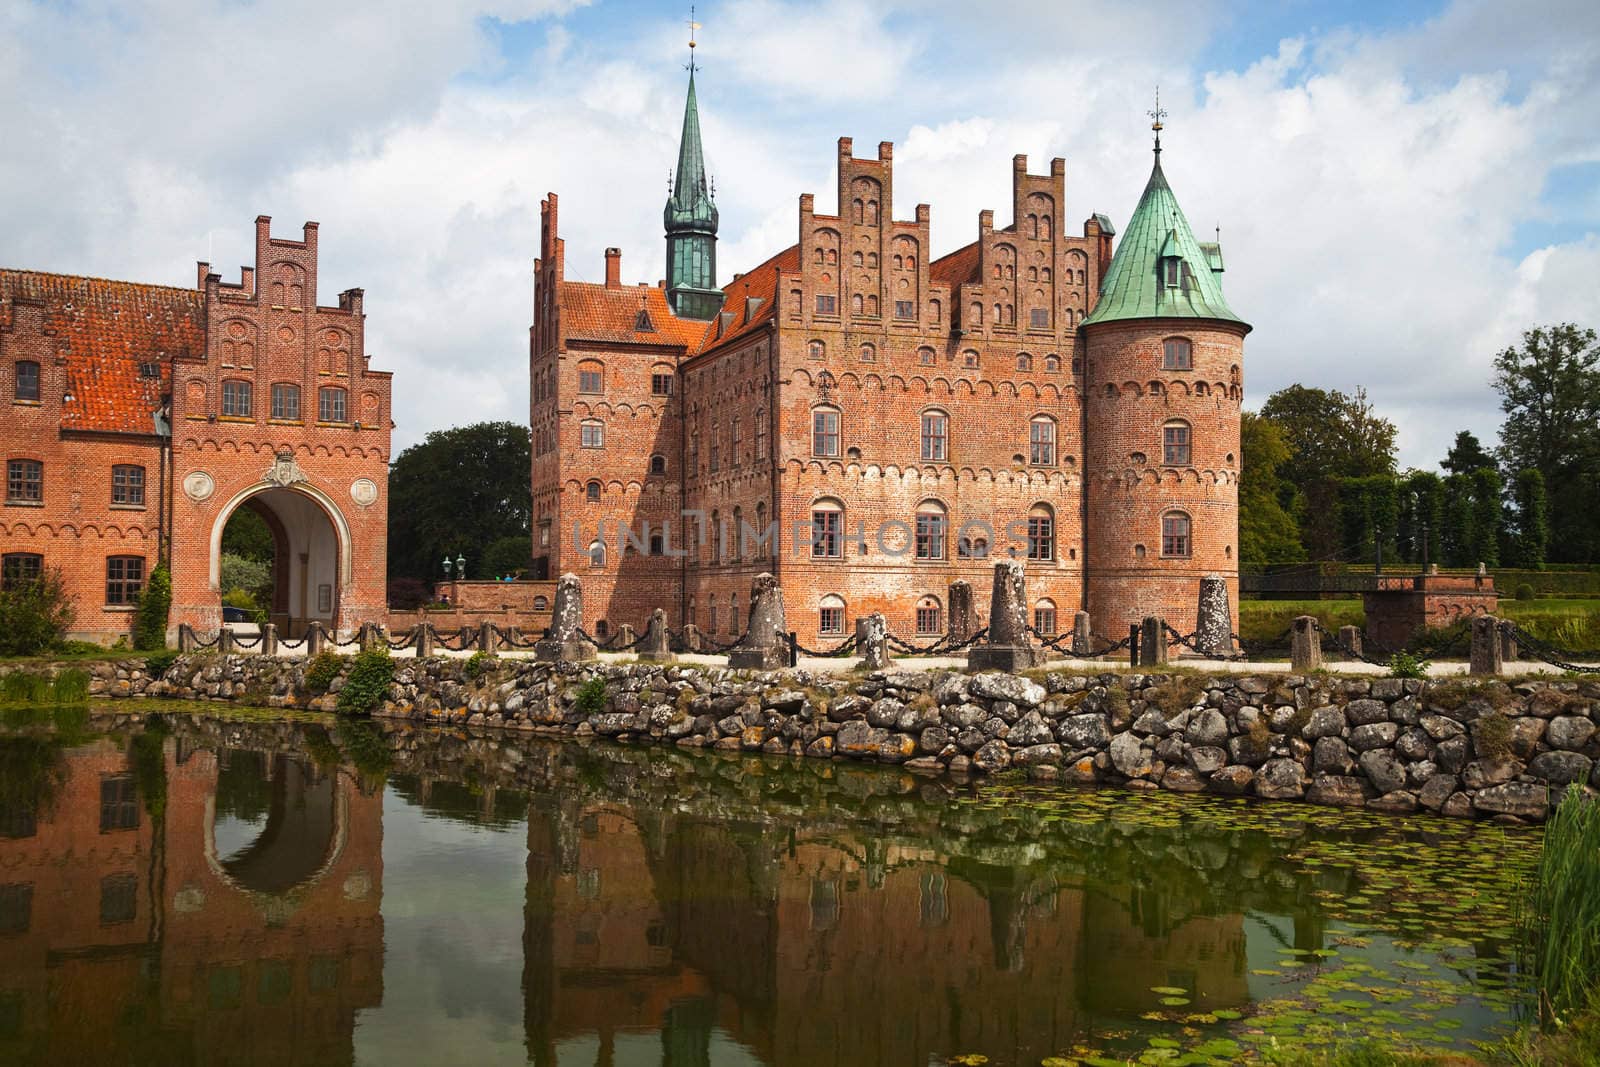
141 417
899 418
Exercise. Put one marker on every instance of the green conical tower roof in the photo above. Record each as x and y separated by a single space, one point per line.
1136 286
690 208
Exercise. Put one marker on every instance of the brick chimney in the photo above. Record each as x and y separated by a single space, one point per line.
613 268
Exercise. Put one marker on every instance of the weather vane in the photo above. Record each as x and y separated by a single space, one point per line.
1157 115
693 28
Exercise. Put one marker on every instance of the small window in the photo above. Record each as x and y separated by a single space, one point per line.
1052 364
661 384
127 485
1042 442
1173 268
119 899
592 434
597 555
1077 364
27 384
1175 534
658 464
905 309
935 436
830 615
20 568
827 305
331 404
827 521
591 492
1175 444
816 350
541 603
931 526
124 579
857 259
24 481
869 353
285 401
119 803
642 323
926 356
16 916
825 432
1041 533
236 398
930 617
1024 361
857 304
1039 318
969 359
1044 617
1176 354
591 378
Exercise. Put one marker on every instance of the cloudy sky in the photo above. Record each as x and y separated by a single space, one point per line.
1401 188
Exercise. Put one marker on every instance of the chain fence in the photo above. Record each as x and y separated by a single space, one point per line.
1559 658
843 648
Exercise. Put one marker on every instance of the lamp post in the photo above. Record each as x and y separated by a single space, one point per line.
461 568
447 566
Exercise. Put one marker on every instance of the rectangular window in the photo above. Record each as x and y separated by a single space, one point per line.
930 536
928 619
124 579
1174 535
24 481
716 448
330 405
19 568
827 305
1044 620
127 485
1039 319
1041 537
589 381
935 436
1175 445
832 621
119 899
1042 443
825 433
236 398
1171 263
905 309
1177 354
285 401
827 533
119 803
661 384
27 380
16 908
592 435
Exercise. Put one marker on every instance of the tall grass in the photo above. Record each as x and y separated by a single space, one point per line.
1561 916
23 687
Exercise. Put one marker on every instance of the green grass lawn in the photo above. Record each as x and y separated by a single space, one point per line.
1568 624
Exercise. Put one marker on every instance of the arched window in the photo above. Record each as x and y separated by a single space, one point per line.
825 432
1175 541
26 385
332 404
591 492
969 358
661 379
1041 532
1044 616
856 304
935 310
1024 361
872 260
860 207
816 349
764 545
932 522
872 306
1175 443
872 214
1052 363
658 464
1042 441
856 259
869 353
591 376
930 616
602 629
592 433
657 544
935 436
830 614
926 356
597 555
541 603
1177 354
717 536
711 614
733 613
975 314
827 529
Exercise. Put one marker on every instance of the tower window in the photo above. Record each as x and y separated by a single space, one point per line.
1039 319
905 309
827 530
935 436
1042 441
658 464
591 378
1175 540
591 492
827 305
1175 444
1172 265
825 432
1177 354
236 398
592 434
661 384
286 401
1041 533
930 530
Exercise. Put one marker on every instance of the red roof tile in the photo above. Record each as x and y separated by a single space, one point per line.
958 268
106 329
761 283
591 312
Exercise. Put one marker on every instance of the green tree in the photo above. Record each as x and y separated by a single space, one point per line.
251 575
1466 455
1488 516
1550 392
1267 531
507 555
150 618
458 492
34 615
248 536
1458 536
1422 510
1532 538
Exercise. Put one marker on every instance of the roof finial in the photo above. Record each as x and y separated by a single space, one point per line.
693 27
1157 115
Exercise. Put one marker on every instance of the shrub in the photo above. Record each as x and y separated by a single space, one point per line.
478 662
79 648
408 594
323 670
368 683
1560 920
592 696
1525 592
157 664
35 615
1405 665
244 599
150 619
250 576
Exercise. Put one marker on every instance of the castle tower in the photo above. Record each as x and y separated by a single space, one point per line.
691 223
1163 384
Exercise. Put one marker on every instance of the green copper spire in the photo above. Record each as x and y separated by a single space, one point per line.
691 223
1159 269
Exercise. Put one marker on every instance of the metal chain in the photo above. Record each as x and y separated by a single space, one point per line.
284 642
1191 641
245 642
1338 643
611 644
841 649
1549 653
213 643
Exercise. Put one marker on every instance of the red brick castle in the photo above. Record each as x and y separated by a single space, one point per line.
871 424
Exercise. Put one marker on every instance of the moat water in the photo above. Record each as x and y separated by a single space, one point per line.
183 889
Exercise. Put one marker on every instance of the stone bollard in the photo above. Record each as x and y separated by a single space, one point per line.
1350 642
963 620
269 639
1305 645
692 641
368 636
186 640
1082 635
1509 652
315 637
872 641
626 635
656 648
1007 648
563 642
1486 657
1214 620
488 638
1133 645
422 638
225 643
1153 641
766 641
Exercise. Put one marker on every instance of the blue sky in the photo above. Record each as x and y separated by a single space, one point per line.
1402 188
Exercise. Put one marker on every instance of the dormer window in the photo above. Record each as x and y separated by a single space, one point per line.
1172 271
642 323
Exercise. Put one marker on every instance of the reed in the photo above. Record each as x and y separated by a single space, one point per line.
1560 918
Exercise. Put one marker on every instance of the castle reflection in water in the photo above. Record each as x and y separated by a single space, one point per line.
217 896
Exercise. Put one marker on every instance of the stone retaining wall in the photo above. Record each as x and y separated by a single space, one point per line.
1459 748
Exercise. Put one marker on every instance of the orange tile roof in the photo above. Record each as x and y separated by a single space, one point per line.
591 312
958 268
762 283
106 330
